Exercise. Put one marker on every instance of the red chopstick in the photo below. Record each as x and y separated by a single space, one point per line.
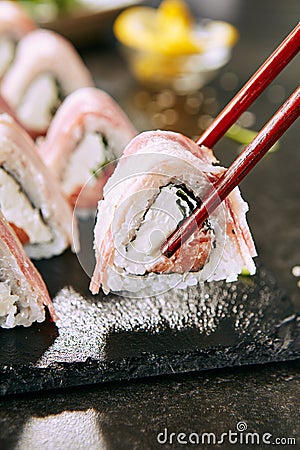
256 149
252 89
242 165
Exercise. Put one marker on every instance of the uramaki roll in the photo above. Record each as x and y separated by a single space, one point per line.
45 70
88 132
30 197
159 181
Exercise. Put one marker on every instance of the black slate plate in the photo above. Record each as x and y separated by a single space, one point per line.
107 338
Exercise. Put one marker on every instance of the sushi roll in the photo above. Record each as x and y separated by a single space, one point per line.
23 294
45 70
158 182
88 131
14 24
30 198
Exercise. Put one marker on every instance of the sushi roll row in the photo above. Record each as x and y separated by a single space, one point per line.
89 130
42 181
158 182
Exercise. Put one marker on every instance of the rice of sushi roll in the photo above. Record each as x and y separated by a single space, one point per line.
23 294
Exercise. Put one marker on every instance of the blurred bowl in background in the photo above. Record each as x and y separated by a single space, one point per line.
184 73
167 48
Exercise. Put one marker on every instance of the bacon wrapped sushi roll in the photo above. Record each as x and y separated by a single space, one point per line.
23 294
45 70
158 182
88 131
14 24
30 199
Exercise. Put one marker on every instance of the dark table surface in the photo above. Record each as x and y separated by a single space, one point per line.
265 398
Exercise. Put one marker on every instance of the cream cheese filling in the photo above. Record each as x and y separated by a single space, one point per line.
170 207
86 162
18 210
39 102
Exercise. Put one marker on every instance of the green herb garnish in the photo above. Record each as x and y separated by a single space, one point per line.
245 136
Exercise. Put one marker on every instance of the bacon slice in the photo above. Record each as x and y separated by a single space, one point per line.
23 293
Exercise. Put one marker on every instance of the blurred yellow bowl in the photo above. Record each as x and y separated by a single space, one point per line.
167 48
